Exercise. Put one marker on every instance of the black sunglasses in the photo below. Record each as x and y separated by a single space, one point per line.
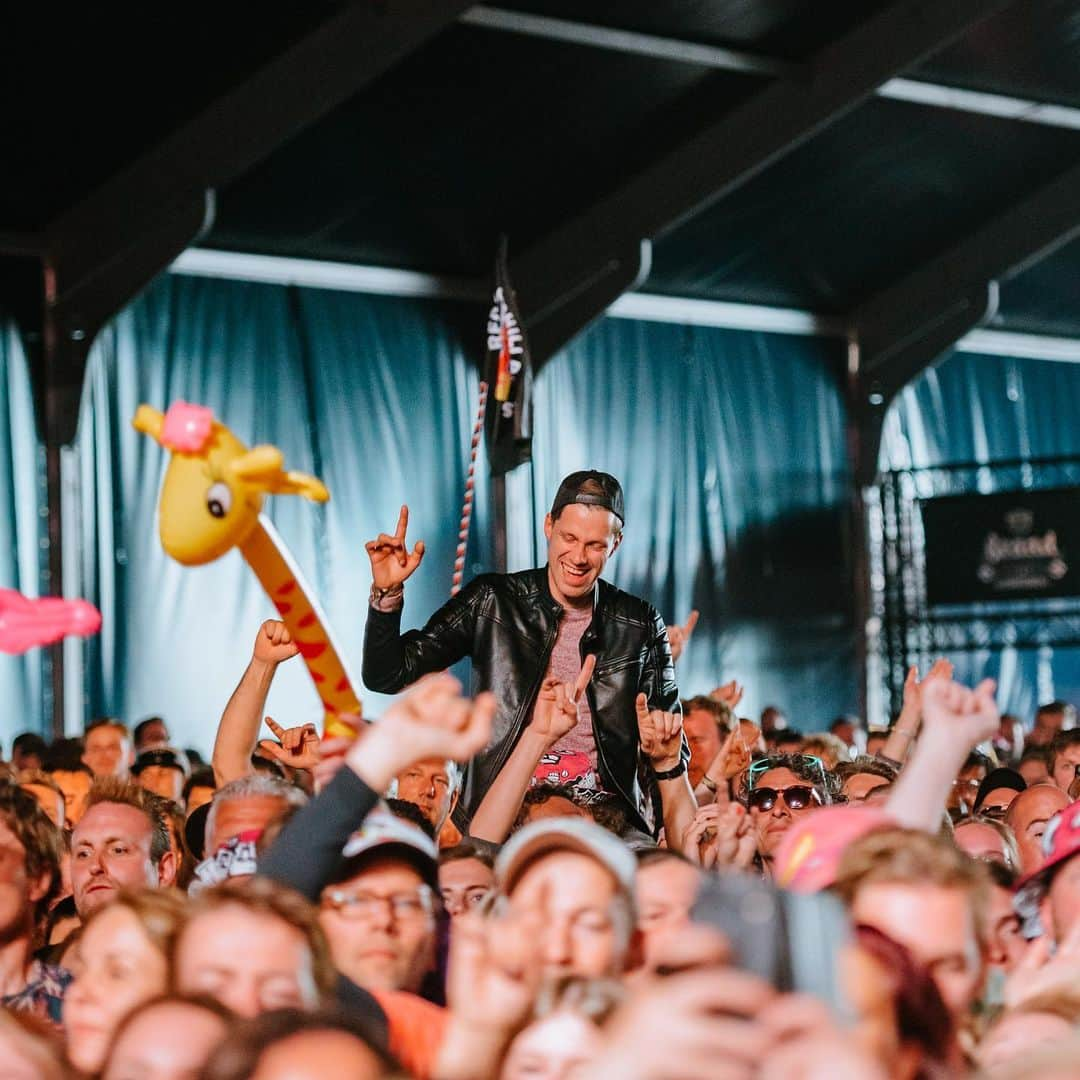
798 797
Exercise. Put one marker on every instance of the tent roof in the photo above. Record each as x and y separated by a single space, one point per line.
480 131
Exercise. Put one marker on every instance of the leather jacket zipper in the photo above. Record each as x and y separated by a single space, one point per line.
530 701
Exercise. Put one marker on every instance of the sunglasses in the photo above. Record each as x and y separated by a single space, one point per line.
798 797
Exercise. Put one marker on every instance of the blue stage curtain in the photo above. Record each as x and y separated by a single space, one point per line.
21 528
982 409
730 447
374 395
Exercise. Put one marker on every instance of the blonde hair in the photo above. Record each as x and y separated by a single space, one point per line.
830 748
162 914
116 789
1008 837
264 896
910 857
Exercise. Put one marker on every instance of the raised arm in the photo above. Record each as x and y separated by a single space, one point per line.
556 715
903 732
432 721
392 660
662 742
955 720
238 731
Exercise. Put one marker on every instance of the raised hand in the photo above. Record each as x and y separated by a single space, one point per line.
433 720
730 694
297 747
913 685
678 636
556 712
391 561
953 711
494 971
274 643
660 734
720 836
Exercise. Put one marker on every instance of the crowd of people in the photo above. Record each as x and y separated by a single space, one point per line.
571 872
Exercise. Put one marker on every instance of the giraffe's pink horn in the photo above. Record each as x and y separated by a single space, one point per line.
187 428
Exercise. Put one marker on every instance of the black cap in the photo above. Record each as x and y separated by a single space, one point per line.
161 755
999 778
591 488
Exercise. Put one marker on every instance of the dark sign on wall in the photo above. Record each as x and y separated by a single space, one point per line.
1021 545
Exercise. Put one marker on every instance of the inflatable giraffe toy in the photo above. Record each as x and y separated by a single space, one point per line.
211 502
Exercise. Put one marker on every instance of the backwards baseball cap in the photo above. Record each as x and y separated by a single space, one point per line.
164 757
1060 842
383 833
564 834
809 855
591 488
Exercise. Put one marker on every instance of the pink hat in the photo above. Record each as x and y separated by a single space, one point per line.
810 853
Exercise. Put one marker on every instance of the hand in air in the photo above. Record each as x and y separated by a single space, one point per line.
391 561
730 694
297 747
433 720
660 734
274 643
678 636
720 836
556 712
914 686
954 711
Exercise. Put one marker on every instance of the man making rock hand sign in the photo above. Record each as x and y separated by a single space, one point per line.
523 629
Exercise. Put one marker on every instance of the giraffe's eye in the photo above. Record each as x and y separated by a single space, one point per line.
219 500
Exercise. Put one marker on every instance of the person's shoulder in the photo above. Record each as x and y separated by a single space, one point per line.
621 604
524 583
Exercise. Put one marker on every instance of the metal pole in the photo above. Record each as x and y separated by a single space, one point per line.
498 498
858 556
51 344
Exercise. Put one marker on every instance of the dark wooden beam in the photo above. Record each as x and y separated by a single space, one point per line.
736 146
347 51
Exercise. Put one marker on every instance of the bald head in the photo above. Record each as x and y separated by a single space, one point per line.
1027 816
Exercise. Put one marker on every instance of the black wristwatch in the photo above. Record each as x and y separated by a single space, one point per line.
671 774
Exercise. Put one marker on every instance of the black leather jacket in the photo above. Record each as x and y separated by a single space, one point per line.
507 624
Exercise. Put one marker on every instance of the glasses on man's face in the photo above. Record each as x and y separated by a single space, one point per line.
995 813
798 797
404 907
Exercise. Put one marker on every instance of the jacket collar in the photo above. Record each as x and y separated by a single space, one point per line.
545 592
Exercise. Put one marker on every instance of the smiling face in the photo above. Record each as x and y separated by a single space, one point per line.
580 542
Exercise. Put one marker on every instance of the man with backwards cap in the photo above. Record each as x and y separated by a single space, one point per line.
535 627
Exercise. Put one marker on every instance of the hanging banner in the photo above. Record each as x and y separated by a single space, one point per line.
1022 545
508 375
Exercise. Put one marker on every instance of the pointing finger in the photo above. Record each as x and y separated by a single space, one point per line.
275 727
688 626
402 524
642 706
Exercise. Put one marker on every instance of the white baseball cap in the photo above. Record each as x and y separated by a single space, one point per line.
564 834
